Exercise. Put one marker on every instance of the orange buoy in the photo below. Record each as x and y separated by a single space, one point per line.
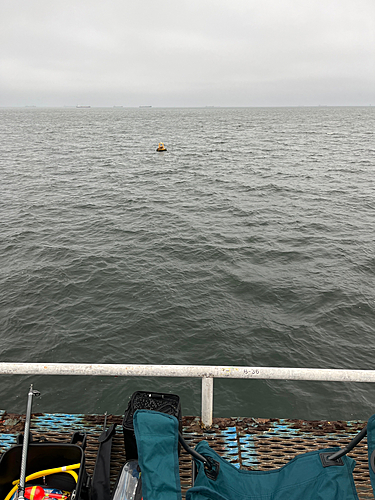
161 147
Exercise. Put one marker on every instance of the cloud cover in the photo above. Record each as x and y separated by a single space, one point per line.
187 53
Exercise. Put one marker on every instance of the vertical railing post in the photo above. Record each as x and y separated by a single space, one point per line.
207 401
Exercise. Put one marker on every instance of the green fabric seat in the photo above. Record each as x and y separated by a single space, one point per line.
157 442
371 449
303 478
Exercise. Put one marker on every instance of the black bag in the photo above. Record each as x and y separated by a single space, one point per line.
143 400
44 456
101 484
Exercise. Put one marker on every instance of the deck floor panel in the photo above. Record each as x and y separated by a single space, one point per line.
247 443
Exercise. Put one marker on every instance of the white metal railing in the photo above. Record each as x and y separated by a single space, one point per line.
206 373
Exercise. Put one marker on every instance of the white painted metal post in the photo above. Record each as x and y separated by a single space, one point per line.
207 400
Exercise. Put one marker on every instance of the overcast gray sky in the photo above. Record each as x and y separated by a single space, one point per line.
187 52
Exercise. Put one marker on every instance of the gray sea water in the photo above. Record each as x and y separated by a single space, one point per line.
250 242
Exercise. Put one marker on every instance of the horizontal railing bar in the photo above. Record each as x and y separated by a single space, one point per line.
235 372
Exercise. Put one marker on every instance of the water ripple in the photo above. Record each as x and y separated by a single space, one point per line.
249 243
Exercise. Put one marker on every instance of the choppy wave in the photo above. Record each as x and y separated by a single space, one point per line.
250 242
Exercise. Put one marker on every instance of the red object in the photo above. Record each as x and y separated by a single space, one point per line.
34 493
38 493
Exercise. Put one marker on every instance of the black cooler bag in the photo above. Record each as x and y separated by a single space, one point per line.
143 400
44 456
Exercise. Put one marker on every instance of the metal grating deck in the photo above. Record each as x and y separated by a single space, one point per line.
249 443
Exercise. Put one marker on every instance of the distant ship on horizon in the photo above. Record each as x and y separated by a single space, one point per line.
82 106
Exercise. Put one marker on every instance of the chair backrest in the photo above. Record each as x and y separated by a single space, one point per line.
157 442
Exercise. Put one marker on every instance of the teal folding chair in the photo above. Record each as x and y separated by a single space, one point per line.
318 475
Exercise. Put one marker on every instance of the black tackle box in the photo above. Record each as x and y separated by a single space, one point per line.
41 457
143 400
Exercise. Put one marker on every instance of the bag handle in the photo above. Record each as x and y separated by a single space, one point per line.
211 466
20 438
350 446
80 439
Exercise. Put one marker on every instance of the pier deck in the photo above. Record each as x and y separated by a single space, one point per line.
250 443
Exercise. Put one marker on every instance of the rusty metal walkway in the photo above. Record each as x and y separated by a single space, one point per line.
249 443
